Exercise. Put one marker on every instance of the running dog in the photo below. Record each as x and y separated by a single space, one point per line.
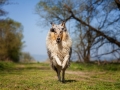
59 45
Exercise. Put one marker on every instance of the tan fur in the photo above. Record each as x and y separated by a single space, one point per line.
59 53
52 36
64 36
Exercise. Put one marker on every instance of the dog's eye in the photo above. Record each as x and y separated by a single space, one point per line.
62 28
60 32
55 32
52 30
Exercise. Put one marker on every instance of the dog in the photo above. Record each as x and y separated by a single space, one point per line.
59 48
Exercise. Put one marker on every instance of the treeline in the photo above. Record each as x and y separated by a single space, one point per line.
10 39
10 36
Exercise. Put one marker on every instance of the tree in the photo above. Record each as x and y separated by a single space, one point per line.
26 57
10 40
2 11
83 42
118 3
99 19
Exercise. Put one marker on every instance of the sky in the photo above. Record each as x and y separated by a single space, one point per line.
23 11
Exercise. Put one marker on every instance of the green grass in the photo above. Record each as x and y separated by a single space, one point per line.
93 67
39 76
6 65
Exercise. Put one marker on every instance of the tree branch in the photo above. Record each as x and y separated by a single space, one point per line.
110 39
118 3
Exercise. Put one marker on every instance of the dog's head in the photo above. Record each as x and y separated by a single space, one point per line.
58 32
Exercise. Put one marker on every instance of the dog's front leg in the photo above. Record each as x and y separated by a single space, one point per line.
65 61
57 60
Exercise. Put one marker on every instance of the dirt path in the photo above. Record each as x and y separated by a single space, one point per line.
98 76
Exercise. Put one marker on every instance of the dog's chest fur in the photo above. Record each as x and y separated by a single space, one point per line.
60 49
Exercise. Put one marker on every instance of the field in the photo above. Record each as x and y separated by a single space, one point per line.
39 76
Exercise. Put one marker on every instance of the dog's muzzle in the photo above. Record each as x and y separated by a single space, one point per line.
58 40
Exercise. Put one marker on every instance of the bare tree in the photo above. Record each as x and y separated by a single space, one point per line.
2 11
99 19
118 3
26 57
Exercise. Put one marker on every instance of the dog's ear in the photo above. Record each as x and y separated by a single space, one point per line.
52 29
52 23
63 24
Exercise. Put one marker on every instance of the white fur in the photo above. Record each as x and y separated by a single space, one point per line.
59 53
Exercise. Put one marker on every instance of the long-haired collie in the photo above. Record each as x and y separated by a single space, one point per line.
59 44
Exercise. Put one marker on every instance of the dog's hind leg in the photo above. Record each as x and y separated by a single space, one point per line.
63 75
58 74
58 70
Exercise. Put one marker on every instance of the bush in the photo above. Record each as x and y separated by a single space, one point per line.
6 65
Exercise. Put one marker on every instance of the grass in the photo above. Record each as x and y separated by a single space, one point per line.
39 76
93 67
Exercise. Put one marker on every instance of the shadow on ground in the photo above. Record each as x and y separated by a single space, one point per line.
70 81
